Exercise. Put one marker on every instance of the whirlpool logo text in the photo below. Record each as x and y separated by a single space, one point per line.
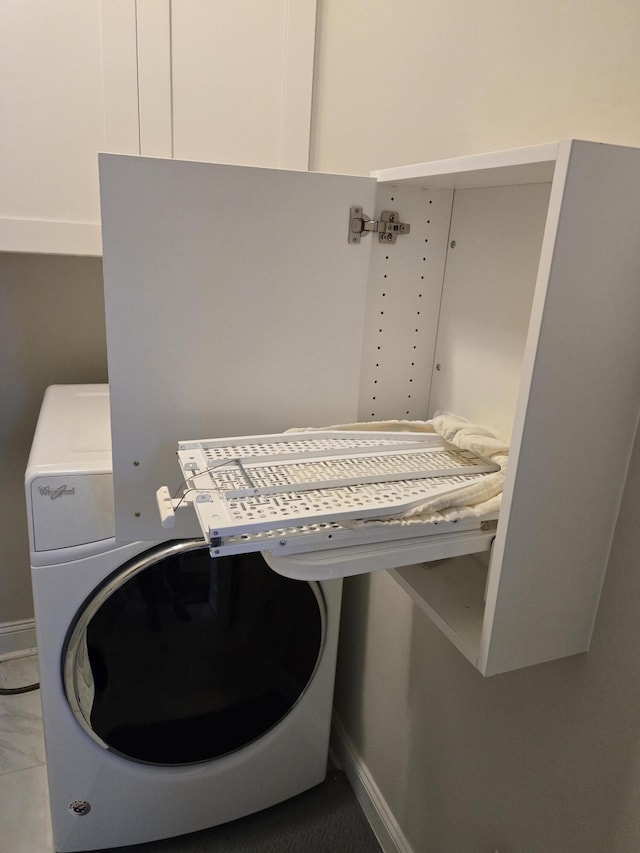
57 492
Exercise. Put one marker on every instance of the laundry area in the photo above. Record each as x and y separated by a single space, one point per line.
320 427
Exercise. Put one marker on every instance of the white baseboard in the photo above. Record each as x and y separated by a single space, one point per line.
17 639
380 817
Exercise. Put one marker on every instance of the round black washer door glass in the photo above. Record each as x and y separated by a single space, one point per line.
181 657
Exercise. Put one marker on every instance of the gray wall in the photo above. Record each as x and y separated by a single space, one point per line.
51 332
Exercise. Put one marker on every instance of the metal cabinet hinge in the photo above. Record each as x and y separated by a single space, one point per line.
387 227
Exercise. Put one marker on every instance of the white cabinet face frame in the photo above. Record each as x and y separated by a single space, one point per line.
210 81
512 301
196 79
52 126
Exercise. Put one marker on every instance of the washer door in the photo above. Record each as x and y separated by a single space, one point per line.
180 658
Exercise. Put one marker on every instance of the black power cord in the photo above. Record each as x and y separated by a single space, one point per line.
13 691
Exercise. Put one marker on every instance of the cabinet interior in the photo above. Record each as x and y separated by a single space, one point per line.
448 305
447 320
499 305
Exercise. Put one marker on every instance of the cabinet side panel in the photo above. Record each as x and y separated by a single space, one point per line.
492 263
234 306
577 416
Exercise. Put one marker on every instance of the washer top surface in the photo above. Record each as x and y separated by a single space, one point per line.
73 434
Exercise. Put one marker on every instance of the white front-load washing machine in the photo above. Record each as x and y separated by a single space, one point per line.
179 691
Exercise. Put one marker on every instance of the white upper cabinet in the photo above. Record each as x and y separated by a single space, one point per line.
213 81
242 78
237 304
52 116
538 338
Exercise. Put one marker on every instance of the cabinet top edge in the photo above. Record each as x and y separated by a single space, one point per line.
532 164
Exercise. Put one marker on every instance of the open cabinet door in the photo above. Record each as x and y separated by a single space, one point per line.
234 305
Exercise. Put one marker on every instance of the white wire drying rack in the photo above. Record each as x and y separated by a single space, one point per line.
296 492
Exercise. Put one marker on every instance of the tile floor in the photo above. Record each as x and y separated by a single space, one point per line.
24 806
